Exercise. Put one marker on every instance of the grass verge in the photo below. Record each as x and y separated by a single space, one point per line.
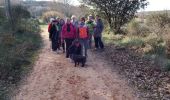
17 54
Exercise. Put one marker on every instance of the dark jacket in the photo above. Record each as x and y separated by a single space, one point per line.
54 33
99 28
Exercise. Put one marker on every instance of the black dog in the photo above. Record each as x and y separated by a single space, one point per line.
75 53
79 59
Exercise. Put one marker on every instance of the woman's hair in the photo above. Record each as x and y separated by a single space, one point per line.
83 19
73 16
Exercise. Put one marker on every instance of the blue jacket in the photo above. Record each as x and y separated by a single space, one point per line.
99 28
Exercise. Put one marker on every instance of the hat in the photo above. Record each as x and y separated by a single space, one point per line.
83 19
73 16
51 19
54 21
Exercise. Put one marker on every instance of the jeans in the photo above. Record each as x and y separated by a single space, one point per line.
90 41
68 43
98 42
85 46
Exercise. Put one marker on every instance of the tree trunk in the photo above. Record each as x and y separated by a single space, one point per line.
8 13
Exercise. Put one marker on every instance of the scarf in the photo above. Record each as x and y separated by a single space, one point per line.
68 27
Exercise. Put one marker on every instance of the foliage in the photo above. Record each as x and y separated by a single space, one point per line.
19 12
17 51
29 25
151 46
51 14
159 23
2 15
19 16
135 27
117 12
168 65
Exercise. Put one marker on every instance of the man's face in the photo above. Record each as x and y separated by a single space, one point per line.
90 18
68 21
74 18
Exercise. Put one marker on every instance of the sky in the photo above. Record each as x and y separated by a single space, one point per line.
154 5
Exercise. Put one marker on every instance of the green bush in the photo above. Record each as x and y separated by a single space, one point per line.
17 51
29 25
167 66
131 41
157 44
16 56
2 16
137 28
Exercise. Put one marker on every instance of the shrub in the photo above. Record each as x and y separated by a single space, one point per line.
17 51
168 66
29 25
157 44
51 14
2 15
159 23
20 17
133 41
16 56
137 28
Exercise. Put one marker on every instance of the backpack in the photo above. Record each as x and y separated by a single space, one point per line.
83 32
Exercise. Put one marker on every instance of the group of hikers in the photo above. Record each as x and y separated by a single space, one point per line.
75 36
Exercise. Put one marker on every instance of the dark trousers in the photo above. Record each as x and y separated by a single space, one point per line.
61 44
55 44
68 43
98 42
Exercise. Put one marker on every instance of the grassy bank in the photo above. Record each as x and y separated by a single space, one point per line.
17 54
143 61
151 46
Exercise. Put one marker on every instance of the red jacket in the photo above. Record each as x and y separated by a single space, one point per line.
66 34
49 27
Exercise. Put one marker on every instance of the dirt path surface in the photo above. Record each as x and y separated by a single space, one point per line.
55 78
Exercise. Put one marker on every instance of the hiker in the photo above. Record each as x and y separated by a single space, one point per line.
98 33
74 21
61 43
83 35
68 34
50 25
54 35
91 25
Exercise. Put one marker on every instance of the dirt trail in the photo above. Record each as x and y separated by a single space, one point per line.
55 78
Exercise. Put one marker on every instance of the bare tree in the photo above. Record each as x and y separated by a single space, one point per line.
66 7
